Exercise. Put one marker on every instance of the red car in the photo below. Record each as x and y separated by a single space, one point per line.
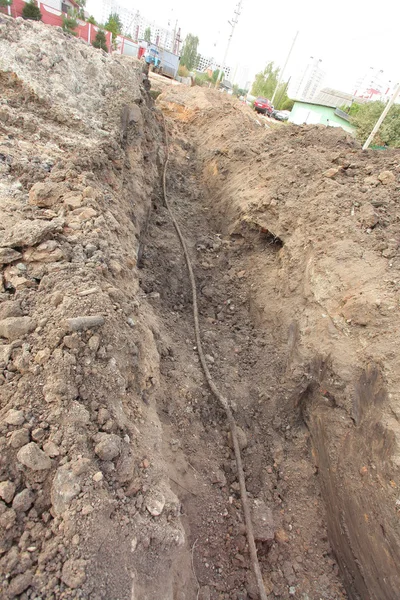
263 106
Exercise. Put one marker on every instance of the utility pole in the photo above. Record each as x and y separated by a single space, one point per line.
284 67
233 25
381 118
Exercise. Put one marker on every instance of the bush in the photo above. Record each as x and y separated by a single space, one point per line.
100 41
31 11
287 105
5 3
69 24
183 71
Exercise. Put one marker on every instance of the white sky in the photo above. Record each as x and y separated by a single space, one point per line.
349 37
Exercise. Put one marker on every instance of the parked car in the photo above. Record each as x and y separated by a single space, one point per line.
263 106
281 115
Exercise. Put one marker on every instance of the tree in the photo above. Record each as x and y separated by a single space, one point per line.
265 83
364 117
189 52
287 105
92 20
100 41
69 23
81 11
31 11
237 91
147 35
215 76
5 3
114 25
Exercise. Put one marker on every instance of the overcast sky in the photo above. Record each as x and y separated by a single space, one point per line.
349 37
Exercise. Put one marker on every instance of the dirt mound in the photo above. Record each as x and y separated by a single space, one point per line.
330 301
82 483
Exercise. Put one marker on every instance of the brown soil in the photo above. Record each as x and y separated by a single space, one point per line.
117 477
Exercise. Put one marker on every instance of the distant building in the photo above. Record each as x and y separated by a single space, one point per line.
205 63
134 24
373 86
320 113
307 85
331 97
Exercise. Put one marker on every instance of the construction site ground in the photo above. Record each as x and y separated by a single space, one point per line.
117 474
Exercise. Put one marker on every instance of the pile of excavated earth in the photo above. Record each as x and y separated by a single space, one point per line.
117 475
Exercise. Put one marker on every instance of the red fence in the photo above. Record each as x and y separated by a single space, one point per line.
52 16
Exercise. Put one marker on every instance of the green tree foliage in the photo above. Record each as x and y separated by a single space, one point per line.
265 83
31 11
92 20
114 25
100 41
287 105
81 11
365 116
215 76
69 22
189 52
237 91
147 35
5 3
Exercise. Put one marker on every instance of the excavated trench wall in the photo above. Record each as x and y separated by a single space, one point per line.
85 506
332 301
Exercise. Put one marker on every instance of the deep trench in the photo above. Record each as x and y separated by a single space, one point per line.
246 362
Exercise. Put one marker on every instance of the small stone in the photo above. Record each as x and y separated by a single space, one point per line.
85 214
7 519
5 354
75 540
72 341
386 177
73 573
23 501
38 434
51 449
94 343
146 463
73 202
33 457
98 476
368 216
210 359
81 466
16 327
44 195
109 447
42 356
155 503
10 308
281 536
87 510
331 172
19 584
263 522
64 489
14 417
8 255
7 491
82 323
19 438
